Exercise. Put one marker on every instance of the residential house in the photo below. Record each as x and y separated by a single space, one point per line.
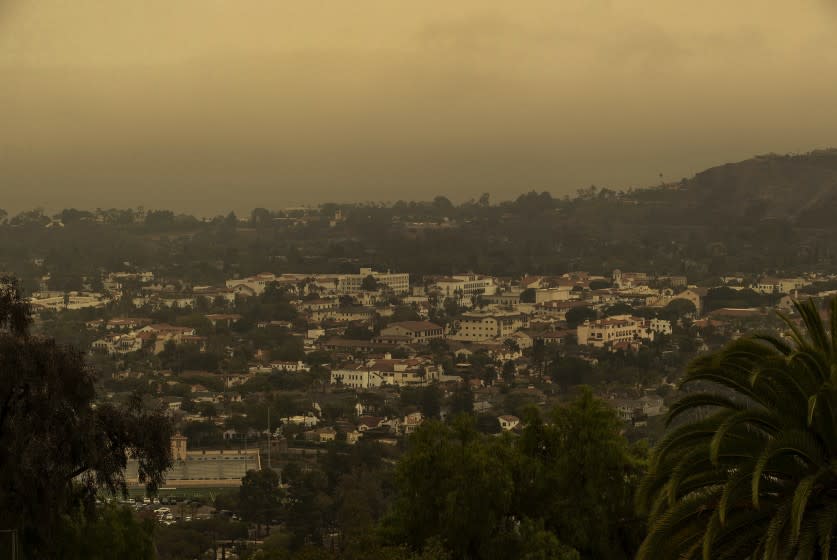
365 423
213 294
508 422
412 422
326 434
225 320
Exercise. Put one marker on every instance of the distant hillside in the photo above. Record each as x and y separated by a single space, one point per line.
798 189
769 213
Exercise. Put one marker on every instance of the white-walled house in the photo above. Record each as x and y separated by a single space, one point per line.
508 422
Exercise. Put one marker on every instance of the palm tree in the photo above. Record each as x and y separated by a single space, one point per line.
750 471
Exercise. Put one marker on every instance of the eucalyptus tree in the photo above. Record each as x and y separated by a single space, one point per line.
59 445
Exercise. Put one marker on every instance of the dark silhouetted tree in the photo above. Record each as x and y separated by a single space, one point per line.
60 446
260 497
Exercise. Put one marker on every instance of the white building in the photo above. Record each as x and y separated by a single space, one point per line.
412 422
388 371
360 377
118 344
465 285
619 328
307 420
253 285
649 405
561 293
290 367
398 282
660 326
477 326
57 301
768 285
508 422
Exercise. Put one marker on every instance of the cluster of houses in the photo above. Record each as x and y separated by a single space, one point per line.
458 317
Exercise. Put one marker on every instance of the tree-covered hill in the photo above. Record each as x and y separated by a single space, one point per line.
766 214
798 189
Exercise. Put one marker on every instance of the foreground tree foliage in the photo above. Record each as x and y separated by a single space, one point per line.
260 497
562 490
751 472
59 447
112 532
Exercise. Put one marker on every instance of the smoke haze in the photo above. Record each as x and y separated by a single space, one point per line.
211 105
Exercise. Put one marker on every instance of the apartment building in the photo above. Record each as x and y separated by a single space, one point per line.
477 326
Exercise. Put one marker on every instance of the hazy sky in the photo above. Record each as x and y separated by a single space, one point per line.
208 105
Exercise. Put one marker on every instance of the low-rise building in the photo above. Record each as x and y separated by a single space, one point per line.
464 286
118 344
411 332
397 282
695 295
252 285
288 367
326 434
57 301
771 285
412 422
387 371
486 325
619 329
205 467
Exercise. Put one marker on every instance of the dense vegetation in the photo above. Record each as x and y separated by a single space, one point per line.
563 489
771 213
